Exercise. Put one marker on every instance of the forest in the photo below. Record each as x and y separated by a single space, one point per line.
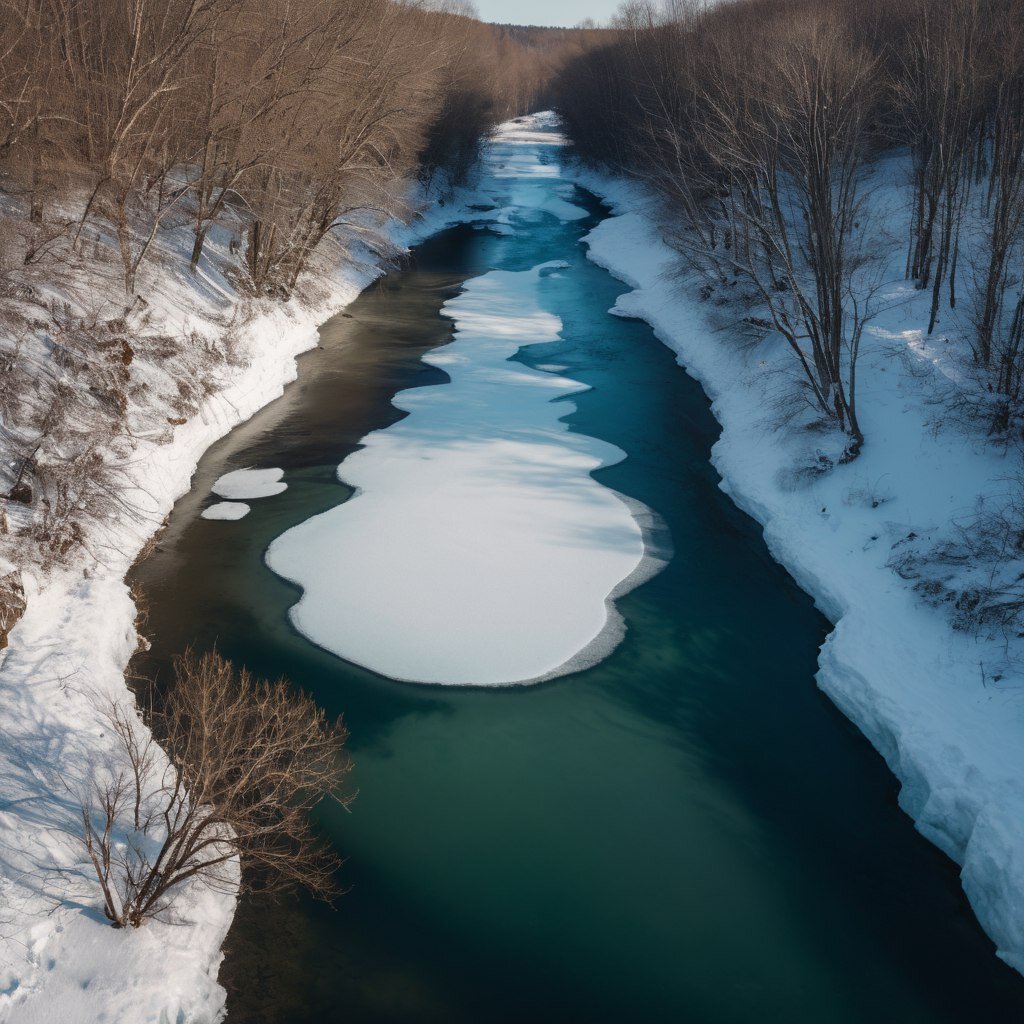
756 121
294 117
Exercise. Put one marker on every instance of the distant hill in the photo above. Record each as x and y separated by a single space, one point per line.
540 36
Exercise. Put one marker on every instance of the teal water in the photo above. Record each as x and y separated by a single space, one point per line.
688 831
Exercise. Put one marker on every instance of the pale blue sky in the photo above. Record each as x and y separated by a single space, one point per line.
546 12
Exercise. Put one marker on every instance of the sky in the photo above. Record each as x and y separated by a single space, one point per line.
546 12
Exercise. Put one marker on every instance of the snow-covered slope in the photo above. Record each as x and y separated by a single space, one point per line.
945 708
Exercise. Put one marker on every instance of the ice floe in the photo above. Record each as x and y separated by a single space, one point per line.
226 510
478 550
250 483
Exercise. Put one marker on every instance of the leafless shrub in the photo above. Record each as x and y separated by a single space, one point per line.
249 763
74 487
14 375
42 243
977 573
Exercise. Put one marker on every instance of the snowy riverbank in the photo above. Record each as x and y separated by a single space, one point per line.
59 959
945 708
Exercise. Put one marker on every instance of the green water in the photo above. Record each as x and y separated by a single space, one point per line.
686 832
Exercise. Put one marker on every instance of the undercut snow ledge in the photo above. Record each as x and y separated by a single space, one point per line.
893 666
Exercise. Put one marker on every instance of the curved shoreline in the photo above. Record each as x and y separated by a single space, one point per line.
92 607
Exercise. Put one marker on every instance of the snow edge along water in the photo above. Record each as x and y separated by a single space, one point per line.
904 681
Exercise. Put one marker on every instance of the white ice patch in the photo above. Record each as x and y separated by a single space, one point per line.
478 550
226 510
541 129
250 483
563 211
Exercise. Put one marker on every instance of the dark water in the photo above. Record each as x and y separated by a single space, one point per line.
686 832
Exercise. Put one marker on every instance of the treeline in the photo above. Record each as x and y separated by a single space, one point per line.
754 120
294 116
528 57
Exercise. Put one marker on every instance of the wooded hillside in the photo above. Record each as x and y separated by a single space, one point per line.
755 121
216 145
302 115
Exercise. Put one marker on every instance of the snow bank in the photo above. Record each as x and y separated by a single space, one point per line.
250 483
64 667
944 709
479 549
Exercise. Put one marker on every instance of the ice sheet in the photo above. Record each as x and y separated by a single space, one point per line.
479 549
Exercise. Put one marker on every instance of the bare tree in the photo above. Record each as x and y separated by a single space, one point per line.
939 88
250 761
999 313
787 127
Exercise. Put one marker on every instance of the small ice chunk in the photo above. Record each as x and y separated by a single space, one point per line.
226 510
250 483
562 210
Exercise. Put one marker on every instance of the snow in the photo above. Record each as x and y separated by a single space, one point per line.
945 708
250 483
59 959
227 510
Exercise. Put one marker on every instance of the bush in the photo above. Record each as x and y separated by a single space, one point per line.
249 761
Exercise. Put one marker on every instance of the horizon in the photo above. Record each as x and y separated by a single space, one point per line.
545 14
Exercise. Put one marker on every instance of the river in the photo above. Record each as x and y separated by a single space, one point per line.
686 831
